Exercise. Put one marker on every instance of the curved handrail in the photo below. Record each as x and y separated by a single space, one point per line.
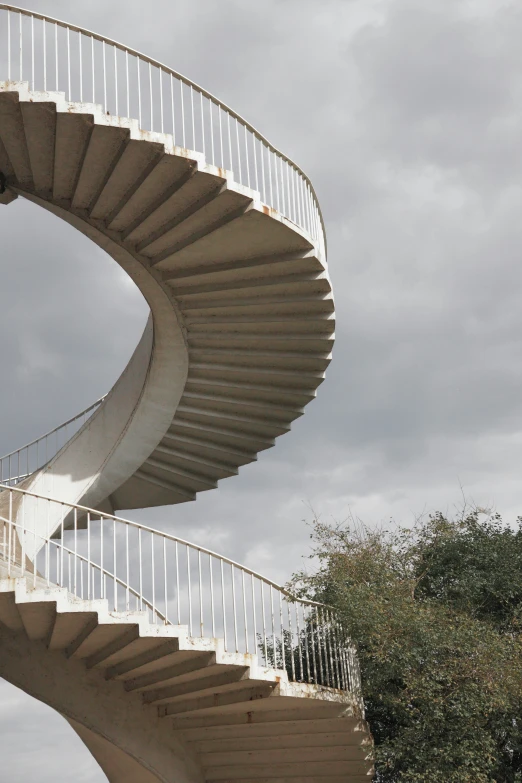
34 460
147 529
251 613
300 204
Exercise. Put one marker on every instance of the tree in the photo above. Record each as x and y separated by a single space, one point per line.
436 616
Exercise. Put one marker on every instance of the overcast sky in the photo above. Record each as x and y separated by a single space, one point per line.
408 118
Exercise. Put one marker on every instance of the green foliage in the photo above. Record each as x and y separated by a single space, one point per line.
435 614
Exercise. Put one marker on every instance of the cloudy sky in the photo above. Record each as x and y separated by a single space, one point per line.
407 115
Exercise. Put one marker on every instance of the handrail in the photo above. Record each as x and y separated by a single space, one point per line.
147 529
34 462
12 565
59 427
178 583
299 204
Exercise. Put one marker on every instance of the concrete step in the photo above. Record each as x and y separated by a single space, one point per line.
232 715
248 288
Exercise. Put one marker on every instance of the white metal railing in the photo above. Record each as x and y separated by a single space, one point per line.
136 567
87 67
20 464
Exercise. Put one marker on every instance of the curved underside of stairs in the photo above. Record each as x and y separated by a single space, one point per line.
154 704
241 323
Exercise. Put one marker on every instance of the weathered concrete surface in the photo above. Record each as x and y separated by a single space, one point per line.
127 738
242 311
153 703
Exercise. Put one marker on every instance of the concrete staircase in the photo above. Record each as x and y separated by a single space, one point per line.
247 287
223 236
231 719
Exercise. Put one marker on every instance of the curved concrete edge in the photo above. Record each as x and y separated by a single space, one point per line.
131 422
116 764
138 411
100 117
129 741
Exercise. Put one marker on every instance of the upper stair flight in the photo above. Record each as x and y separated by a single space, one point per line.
222 234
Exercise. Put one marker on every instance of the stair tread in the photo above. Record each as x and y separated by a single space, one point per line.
248 285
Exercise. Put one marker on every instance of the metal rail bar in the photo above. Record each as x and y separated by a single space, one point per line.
35 455
101 555
305 185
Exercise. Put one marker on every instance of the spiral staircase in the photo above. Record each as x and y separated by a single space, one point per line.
171 662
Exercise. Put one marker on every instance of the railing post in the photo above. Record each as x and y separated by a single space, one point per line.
212 612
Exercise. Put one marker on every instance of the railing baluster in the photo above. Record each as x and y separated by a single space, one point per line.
234 606
127 81
22 553
153 573
301 662
166 612
212 613
224 605
201 633
116 79
150 96
141 567
127 566
193 117
288 196
61 545
105 78
319 653
172 109
290 636
56 55
9 45
32 54
44 55
254 628
182 113
238 152
210 105
81 65
280 207
189 591
273 626
264 621
202 123
89 595
139 92
114 565
102 582
230 143
7 537
93 77
75 550
178 597
220 115
329 645
21 47
244 609
283 660
255 162
246 156
269 167
294 204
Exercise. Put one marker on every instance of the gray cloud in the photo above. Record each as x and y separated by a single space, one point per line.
407 117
